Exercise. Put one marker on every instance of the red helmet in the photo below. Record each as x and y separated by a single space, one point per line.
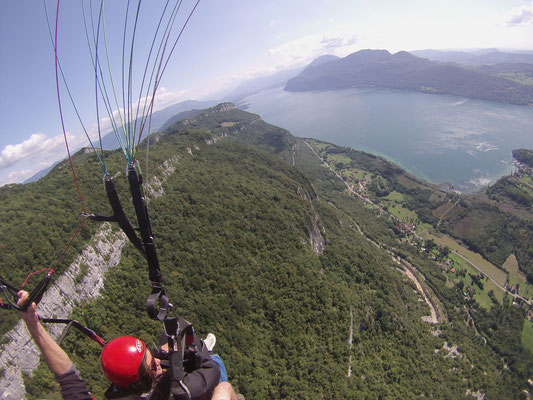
121 359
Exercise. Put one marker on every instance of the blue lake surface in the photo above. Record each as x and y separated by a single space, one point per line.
442 139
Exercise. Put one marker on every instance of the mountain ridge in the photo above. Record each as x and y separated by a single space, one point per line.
238 226
402 70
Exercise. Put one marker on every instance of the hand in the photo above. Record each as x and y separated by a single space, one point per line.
30 315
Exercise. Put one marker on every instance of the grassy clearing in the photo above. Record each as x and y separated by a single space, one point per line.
519 77
319 146
339 158
524 289
423 229
483 299
498 293
449 284
527 335
511 264
517 277
443 210
409 183
491 270
458 262
356 174
394 196
481 296
526 188
360 174
402 213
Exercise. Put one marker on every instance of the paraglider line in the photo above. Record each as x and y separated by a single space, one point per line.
160 75
61 110
100 158
69 244
36 272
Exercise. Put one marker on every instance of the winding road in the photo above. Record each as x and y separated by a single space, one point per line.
407 267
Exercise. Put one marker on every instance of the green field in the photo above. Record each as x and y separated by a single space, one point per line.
481 296
519 77
443 210
358 174
527 335
402 213
339 158
483 299
495 273
394 196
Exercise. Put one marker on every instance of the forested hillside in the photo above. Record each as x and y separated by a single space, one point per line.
305 285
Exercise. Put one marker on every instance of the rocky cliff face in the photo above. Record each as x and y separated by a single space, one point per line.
85 276
222 107
20 355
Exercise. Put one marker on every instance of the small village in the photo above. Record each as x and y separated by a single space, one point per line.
458 269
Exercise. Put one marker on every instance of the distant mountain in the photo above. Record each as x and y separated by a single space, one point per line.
323 59
40 174
251 86
180 116
445 56
160 120
379 68
109 140
486 57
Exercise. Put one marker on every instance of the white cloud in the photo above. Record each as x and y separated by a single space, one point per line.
521 16
36 147
21 175
163 98
22 160
307 48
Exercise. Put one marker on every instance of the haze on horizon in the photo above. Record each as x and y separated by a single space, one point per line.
226 43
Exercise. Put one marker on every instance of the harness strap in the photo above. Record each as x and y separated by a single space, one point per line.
179 333
118 215
35 295
157 305
145 229
73 323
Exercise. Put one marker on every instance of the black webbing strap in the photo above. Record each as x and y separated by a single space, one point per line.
143 219
35 295
73 323
118 215
177 329
157 305
8 291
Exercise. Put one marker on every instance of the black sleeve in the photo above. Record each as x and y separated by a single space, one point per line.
73 387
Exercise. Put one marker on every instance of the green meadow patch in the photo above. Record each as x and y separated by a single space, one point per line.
527 335
395 196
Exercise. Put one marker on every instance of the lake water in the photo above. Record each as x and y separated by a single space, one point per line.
442 139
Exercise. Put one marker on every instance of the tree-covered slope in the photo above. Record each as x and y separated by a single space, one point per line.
260 244
379 68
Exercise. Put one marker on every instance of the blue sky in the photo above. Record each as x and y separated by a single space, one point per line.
226 41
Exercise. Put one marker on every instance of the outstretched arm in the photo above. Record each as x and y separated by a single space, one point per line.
54 356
